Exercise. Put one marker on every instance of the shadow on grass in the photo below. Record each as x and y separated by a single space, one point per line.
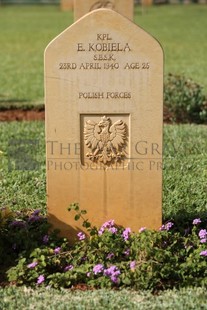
22 232
23 104
183 220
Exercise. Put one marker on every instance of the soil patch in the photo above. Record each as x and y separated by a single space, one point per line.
37 115
21 115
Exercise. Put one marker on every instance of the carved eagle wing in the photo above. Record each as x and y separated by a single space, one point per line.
118 134
91 134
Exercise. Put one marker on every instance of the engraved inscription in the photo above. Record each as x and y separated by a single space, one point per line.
104 54
102 4
106 95
137 65
106 141
103 47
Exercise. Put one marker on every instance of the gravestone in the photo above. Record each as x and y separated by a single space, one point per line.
147 2
104 89
66 5
124 7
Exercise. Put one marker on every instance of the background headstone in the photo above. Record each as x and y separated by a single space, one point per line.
147 2
104 89
124 7
67 5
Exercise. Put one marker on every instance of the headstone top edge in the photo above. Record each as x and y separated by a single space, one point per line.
93 13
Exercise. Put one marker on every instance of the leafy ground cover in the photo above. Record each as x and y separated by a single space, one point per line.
107 257
26 30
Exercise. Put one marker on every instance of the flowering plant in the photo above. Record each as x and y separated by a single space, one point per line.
112 256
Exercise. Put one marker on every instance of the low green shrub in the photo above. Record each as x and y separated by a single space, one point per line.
21 232
111 256
184 100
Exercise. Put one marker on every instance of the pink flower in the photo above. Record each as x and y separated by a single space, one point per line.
113 272
202 234
167 226
142 229
196 221
45 239
81 236
203 253
40 279
107 225
126 233
69 267
57 250
32 265
110 255
98 268
127 252
132 265
113 230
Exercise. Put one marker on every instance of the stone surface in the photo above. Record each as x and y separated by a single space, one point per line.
67 5
124 7
147 2
104 92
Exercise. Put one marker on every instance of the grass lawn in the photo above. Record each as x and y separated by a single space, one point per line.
26 31
185 173
25 298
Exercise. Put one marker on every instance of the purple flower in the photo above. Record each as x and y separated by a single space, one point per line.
114 278
196 221
36 212
110 255
45 239
88 274
69 267
203 253
203 240
126 233
109 271
34 218
142 229
32 265
40 279
202 234
107 225
84 258
167 226
57 250
19 224
127 252
132 265
112 272
98 269
81 236
113 230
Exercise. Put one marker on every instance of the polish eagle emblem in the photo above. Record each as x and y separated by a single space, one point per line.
105 140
